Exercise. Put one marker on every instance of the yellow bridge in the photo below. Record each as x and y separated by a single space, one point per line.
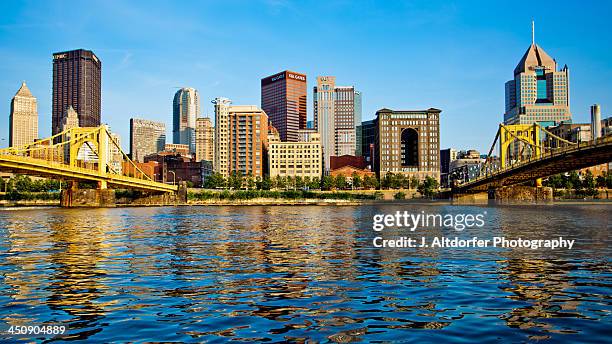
529 152
80 154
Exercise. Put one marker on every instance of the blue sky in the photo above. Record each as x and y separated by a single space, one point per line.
454 56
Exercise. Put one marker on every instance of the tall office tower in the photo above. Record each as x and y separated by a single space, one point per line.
248 140
221 162
23 120
595 121
345 135
408 142
70 119
539 92
368 141
334 117
283 99
205 136
77 82
185 110
358 133
324 110
146 137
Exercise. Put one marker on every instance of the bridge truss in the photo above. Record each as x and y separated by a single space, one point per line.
80 154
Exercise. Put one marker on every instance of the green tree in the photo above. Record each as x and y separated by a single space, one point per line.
387 180
280 182
327 183
414 182
250 181
589 183
299 182
574 182
357 183
266 183
315 183
289 182
340 182
235 180
214 181
429 187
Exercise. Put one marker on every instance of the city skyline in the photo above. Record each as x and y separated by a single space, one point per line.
480 101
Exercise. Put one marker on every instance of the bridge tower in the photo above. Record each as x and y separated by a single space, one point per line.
518 137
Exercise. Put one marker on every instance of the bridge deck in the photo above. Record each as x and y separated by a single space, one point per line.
572 158
44 168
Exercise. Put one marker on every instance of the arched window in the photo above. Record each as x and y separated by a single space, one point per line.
410 147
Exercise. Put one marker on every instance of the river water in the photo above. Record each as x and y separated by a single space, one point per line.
301 273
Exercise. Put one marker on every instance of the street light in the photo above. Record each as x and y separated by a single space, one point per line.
173 177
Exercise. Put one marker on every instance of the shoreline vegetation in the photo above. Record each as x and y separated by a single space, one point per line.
25 191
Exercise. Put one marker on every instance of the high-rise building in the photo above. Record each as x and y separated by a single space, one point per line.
248 140
335 118
205 135
70 119
595 121
358 133
295 159
539 92
221 162
368 141
408 142
185 108
283 99
23 120
77 82
146 137
114 154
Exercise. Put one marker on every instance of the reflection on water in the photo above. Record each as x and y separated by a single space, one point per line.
196 274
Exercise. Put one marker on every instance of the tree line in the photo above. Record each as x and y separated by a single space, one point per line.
237 181
581 185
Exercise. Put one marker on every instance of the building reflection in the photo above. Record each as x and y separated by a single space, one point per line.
540 278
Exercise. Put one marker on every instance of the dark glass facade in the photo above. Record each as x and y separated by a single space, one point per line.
368 138
77 82
283 98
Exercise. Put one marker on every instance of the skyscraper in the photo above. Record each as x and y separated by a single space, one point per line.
539 92
77 82
283 99
23 120
358 133
221 163
205 134
146 137
335 117
186 108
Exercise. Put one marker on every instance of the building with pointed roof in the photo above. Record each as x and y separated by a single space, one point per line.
539 91
70 119
23 120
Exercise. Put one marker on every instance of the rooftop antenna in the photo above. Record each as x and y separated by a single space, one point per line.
532 32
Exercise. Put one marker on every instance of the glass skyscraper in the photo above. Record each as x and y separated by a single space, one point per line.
186 108
539 92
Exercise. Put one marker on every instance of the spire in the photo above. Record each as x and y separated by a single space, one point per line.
532 32
24 91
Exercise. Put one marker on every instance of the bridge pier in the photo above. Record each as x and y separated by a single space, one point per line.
74 197
523 194
471 198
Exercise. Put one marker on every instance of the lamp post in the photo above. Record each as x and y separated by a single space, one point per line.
173 177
